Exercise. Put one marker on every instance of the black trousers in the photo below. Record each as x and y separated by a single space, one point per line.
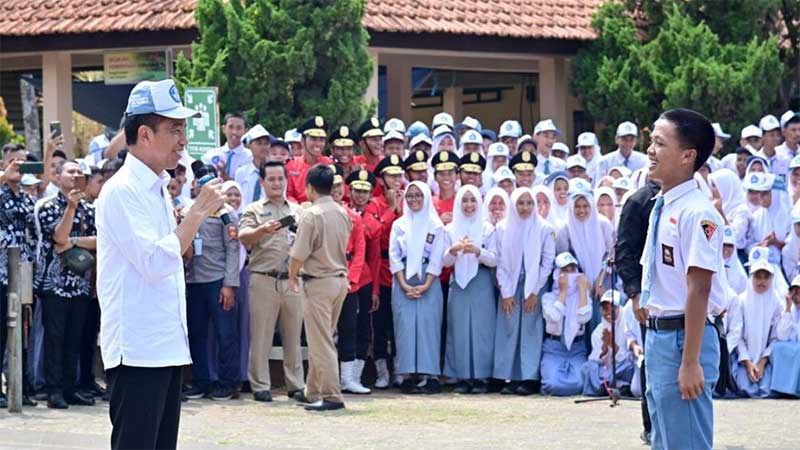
643 376
88 347
145 407
63 330
383 324
353 327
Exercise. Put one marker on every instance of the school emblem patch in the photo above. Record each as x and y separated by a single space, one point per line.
709 228
667 255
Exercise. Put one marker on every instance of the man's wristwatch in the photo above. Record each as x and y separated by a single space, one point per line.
74 240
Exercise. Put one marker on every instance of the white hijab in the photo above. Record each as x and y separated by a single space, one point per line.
571 325
487 201
466 266
736 275
730 190
586 238
541 189
516 233
790 254
757 311
557 212
416 227
777 217
601 191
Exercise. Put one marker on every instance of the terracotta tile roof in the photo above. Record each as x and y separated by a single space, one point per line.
548 19
38 17
545 19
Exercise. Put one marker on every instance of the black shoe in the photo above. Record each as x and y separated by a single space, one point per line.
27 400
245 387
299 397
645 437
479 387
194 392
409 387
262 396
325 406
510 388
625 391
94 390
462 387
525 388
56 401
432 386
107 396
76 398
224 393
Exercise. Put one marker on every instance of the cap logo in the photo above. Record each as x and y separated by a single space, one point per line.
173 92
756 254
363 175
754 179
420 155
375 122
318 121
394 160
526 156
443 156
474 157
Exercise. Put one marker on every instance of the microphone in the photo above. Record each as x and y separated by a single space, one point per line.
223 214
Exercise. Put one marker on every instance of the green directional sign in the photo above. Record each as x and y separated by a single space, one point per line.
202 132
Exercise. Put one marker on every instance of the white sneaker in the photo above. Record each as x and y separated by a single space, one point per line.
355 378
382 382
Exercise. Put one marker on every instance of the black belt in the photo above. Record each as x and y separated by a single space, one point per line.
552 336
274 274
677 323
311 277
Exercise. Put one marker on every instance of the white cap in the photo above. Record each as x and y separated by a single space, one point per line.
795 218
579 186
795 282
610 296
503 173
718 131
29 180
751 131
576 161
624 171
510 128
565 259
498 149
787 116
394 124
471 122
622 183
546 125
757 253
292 136
440 119
394 134
761 264
728 236
758 181
587 139
160 98
627 129
769 123
256 132
471 137
85 169
442 129
560 147
422 137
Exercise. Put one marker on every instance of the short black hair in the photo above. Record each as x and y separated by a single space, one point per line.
794 119
61 164
30 157
132 124
262 171
320 177
10 148
112 166
59 154
693 130
235 115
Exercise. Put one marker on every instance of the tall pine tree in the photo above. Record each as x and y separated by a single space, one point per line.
281 61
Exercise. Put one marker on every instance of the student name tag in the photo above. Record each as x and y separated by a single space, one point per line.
667 255
266 214
429 244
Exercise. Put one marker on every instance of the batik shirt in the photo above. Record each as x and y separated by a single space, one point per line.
17 227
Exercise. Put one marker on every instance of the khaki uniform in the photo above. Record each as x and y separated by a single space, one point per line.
271 299
322 235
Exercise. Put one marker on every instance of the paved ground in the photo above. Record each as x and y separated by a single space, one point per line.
393 421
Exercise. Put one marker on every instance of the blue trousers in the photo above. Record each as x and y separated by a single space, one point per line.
677 423
202 304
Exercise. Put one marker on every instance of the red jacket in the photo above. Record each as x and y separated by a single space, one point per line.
379 210
355 250
296 170
372 235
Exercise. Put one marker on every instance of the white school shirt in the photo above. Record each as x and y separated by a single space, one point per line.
635 161
619 338
633 330
247 176
547 239
553 311
241 156
140 282
556 165
777 163
785 152
689 235
398 250
488 256
789 325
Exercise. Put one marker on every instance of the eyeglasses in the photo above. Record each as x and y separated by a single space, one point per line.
414 196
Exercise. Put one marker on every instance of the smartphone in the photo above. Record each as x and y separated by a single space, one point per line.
80 183
55 129
31 167
286 221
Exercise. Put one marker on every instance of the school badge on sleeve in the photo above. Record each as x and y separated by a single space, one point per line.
709 228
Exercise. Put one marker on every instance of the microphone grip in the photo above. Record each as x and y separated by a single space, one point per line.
223 215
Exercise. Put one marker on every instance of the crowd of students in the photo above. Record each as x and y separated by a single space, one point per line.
479 259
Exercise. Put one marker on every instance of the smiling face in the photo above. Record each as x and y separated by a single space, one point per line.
754 197
606 307
260 148
375 145
669 162
234 130
393 181
762 281
756 166
394 147
417 175
446 179
472 178
525 178
234 197
415 198
525 206
274 182
543 204
337 192
278 153
359 197
497 207
507 185
561 191
511 143
587 151
605 206
772 139
545 141
343 155
469 204
314 145
70 171
626 143
447 143
582 209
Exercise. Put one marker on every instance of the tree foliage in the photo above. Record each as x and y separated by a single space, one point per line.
683 63
7 134
281 61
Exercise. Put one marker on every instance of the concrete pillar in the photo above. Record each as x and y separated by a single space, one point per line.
398 89
371 94
554 95
57 96
453 103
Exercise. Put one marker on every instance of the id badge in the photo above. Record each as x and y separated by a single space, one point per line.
197 245
428 244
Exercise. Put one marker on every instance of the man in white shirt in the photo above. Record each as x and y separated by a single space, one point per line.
790 125
545 134
140 280
228 158
259 142
771 138
682 286
625 155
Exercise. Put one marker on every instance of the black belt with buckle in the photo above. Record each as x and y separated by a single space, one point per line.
274 274
552 336
679 323
311 277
